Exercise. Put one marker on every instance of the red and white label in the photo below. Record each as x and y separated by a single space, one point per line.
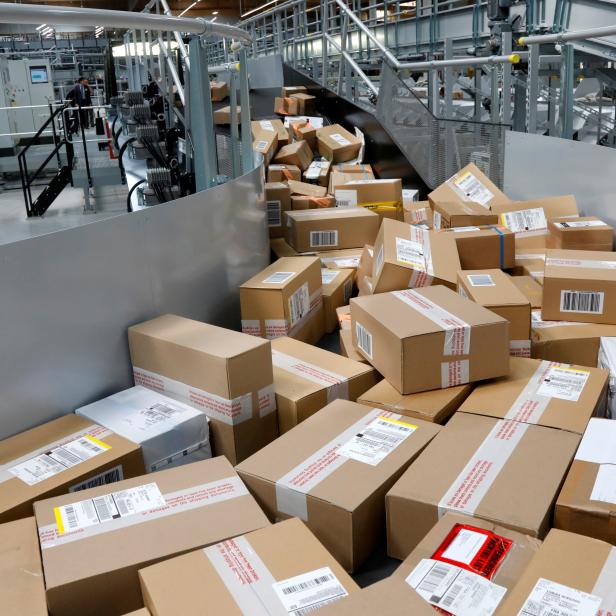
519 348
583 263
455 373
251 326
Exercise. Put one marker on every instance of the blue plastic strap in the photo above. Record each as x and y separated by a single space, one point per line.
502 246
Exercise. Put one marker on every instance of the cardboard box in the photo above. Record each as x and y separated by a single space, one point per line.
219 90
169 432
337 144
584 233
223 115
543 393
285 299
407 256
22 587
337 291
304 131
278 200
530 288
327 228
325 472
484 247
586 504
304 202
269 126
580 285
436 406
343 314
140 612
482 467
278 569
364 269
306 103
151 518
61 456
298 153
291 90
306 189
570 574
280 248
417 213
354 172
381 196
469 185
494 290
283 173
346 346
307 378
266 144
430 338
364 169
531 263
286 105
454 215
318 172
484 559
224 373
341 259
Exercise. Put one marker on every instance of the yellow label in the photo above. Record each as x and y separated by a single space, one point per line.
561 367
94 440
462 177
58 516
397 421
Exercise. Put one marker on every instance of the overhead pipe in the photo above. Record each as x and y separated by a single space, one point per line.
565 37
513 58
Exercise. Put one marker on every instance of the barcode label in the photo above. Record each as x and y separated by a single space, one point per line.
112 475
410 253
299 304
321 239
525 220
339 139
580 224
481 280
278 277
345 198
473 189
260 145
564 383
552 599
274 214
588 302
364 339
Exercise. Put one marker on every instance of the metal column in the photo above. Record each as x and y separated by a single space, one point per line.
247 152
532 91
566 92
507 75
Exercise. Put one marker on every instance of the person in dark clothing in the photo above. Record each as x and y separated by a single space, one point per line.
80 96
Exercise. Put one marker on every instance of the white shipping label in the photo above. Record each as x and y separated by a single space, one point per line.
437 220
158 414
604 488
251 326
419 215
345 198
529 406
344 262
299 304
599 442
328 275
455 590
274 214
377 440
410 253
278 277
473 189
525 220
464 229
315 302
409 195
552 599
309 592
454 373
481 280
465 546
580 224
364 339
587 302
324 239
339 139
564 383
260 145
267 125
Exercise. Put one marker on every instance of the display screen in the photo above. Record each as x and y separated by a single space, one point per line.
38 74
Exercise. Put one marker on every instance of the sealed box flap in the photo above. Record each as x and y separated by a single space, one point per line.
491 287
333 213
580 264
303 188
281 273
449 209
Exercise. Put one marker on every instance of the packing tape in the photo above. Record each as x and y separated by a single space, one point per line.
501 236
582 263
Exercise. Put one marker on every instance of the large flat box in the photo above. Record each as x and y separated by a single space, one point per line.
580 285
329 228
169 432
283 173
278 569
586 504
570 575
486 468
453 215
583 233
22 587
384 197
61 456
224 373
436 406
494 290
531 289
298 154
408 256
337 144
273 126
307 378
337 291
326 472
219 90
134 524
543 393
278 201
484 247
430 338
285 299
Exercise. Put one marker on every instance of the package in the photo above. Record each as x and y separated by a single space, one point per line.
489 247
480 562
64 455
494 290
347 258
305 202
430 338
364 269
544 393
337 144
266 144
363 169
407 256
417 212
570 575
291 90
306 189
306 103
333 470
580 285
346 346
337 291
286 105
224 373
298 153
280 248
140 612
307 378
22 587
530 288
219 90
318 172
454 215
354 172
285 299
94 542
529 262
283 173
584 233
169 432
274 125
304 131
436 406
469 185
278 200
381 196
327 228
223 115
343 314
506 472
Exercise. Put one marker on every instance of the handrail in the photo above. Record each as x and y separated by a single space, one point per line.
353 65
470 61
565 37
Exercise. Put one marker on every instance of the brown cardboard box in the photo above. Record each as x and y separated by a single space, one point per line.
95 563
494 290
337 291
266 144
324 473
584 233
430 338
343 314
306 103
407 256
304 202
283 173
327 228
337 144
580 285
219 90
364 169
306 189
273 570
484 247
436 406
291 90
278 200
365 286
570 574
469 185
318 172
483 467
224 373
140 612
364 269
452 215
381 196
61 456
269 126
307 378
223 115
586 504
417 213
530 262
346 346
354 172
285 299
531 289
22 587
302 130
543 393
298 153
286 105
280 248
341 259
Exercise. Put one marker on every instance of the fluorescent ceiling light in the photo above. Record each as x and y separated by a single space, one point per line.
188 9
41 27
214 12
259 8
46 31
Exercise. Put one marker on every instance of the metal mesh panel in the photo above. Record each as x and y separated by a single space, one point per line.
436 147
224 154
